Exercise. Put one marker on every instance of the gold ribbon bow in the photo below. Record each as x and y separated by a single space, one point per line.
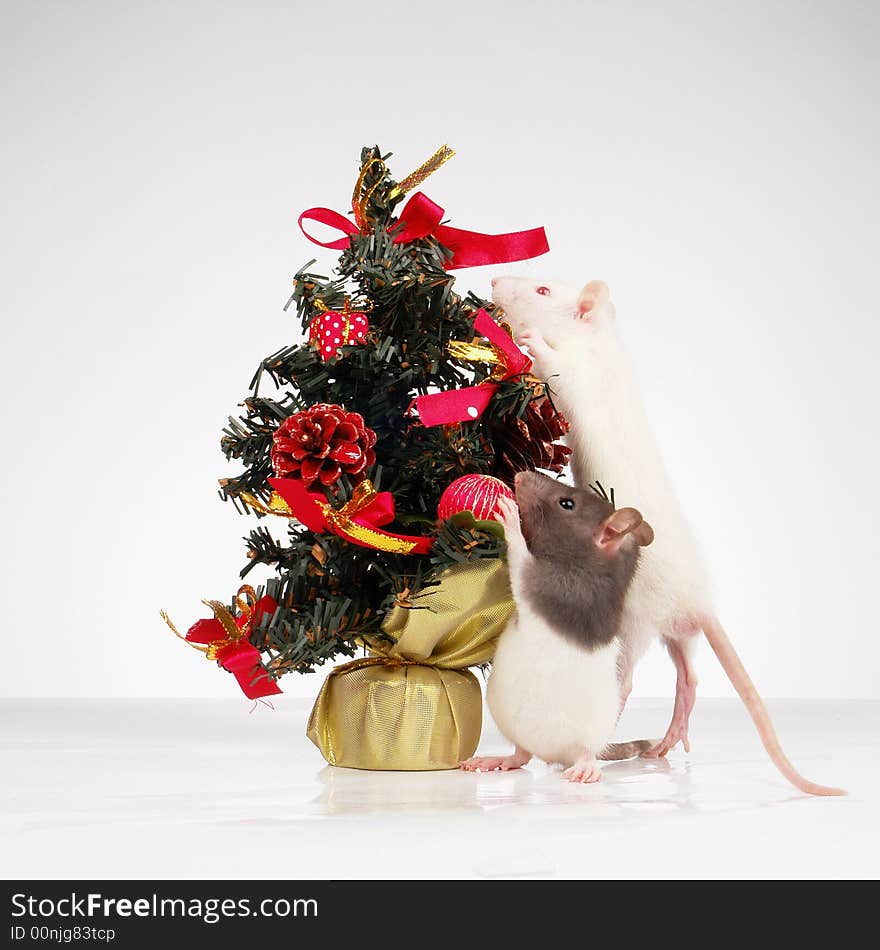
489 353
319 515
341 521
245 605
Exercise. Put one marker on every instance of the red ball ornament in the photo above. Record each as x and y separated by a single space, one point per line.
332 329
478 494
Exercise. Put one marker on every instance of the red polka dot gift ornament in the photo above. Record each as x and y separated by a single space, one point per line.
334 328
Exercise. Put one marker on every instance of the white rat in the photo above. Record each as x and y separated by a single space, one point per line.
554 690
573 341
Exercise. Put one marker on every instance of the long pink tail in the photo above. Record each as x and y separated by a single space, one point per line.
618 751
743 684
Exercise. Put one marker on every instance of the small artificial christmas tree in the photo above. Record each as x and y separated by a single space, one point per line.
354 436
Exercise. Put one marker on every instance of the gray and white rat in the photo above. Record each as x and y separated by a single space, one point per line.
572 337
554 690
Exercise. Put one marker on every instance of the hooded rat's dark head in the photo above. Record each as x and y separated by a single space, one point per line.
584 556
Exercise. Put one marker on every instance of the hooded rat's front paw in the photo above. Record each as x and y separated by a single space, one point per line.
507 512
585 771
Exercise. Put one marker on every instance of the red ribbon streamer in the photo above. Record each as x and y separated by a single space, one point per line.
239 656
311 508
420 217
465 405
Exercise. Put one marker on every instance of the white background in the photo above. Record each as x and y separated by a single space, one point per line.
715 163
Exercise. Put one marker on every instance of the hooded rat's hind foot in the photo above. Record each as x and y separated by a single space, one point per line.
489 763
585 771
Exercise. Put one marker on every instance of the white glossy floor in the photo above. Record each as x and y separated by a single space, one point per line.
199 789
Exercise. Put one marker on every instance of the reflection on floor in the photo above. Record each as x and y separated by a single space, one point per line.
157 789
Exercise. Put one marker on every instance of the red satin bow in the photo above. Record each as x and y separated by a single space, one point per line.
465 405
421 217
358 520
237 654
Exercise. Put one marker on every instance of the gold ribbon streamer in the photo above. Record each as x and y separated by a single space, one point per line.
360 201
370 537
277 505
201 647
412 705
427 168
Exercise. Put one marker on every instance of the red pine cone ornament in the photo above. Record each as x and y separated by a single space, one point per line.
478 494
321 444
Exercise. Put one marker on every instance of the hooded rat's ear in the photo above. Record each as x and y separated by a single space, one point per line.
644 534
622 522
594 295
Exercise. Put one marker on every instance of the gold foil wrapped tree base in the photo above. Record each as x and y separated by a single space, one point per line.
378 714
413 705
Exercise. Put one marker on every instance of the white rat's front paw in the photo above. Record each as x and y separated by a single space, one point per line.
533 339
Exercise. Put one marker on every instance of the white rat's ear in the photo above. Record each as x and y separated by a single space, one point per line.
594 295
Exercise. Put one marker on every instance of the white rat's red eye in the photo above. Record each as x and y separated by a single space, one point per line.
543 291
